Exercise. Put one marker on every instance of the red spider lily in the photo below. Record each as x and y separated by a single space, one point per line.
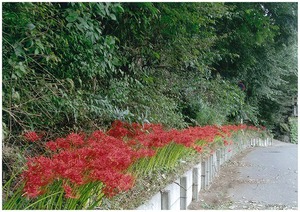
79 159
198 148
39 173
32 136
69 192
75 139
226 143
120 130
52 145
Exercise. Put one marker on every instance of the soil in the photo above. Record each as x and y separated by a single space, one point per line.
216 197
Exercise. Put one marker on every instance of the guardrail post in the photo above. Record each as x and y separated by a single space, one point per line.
210 170
265 142
212 166
165 200
207 173
196 184
218 154
223 154
183 193
203 173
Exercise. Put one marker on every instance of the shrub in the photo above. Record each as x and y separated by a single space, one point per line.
293 122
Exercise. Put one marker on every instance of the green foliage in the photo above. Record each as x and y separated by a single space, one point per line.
262 38
75 66
165 159
54 53
90 197
293 122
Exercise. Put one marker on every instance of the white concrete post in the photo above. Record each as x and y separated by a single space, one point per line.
218 155
215 166
259 142
165 200
207 173
271 141
183 193
196 184
226 154
210 168
231 150
203 173
223 154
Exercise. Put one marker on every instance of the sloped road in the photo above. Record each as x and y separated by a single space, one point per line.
259 178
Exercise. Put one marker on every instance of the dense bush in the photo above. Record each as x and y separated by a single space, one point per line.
81 65
293 125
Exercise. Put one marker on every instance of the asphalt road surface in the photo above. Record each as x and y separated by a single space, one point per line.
258 178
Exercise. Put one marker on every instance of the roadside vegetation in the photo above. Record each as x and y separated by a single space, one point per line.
83 67
293 125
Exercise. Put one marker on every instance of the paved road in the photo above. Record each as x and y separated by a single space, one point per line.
260 178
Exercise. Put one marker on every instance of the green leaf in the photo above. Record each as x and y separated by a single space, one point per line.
118 9
19 50
101 10
20 69
113 17
71 83
83 22
16 96
72 16
36 51
30 26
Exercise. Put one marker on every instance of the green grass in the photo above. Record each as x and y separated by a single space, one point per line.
166 158
90 197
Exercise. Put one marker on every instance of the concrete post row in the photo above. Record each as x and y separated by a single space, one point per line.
179 194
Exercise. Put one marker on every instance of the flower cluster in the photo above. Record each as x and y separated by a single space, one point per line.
79 159
32 136
155 136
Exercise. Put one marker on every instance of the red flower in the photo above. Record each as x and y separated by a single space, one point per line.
79 159
75 139
32 136
69 192
198 148
51 145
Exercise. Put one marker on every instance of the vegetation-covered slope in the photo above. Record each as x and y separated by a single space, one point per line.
80 65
